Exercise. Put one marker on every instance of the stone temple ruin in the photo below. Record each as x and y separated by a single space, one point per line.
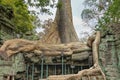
56 59
31 66
29 61
63 65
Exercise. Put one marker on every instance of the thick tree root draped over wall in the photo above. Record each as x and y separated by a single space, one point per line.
93 71
14 46
96 68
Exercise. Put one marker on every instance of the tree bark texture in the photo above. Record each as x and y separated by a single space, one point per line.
14 46
62 29
65 26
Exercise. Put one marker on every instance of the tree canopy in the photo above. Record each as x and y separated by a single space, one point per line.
112 15
22 20
104 12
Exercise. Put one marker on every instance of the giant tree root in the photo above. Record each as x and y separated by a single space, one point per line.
87 72
96 68
84 73
14 46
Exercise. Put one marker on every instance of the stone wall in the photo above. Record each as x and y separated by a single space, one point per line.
12 67
7 30
109 53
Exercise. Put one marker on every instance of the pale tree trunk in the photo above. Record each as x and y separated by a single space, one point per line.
62 29
65 26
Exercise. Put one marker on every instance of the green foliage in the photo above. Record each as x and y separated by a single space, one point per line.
94 9
87 14
4 36
42 5
112 15
59 4
30 35
22 19
104 22
89 2
103 11
15 14
114 11
38 3
37 22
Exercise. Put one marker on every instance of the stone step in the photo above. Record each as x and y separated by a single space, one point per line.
59 77
63 77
